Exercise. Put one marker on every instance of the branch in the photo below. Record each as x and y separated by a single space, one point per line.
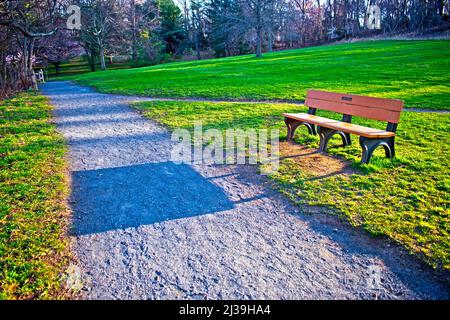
25 32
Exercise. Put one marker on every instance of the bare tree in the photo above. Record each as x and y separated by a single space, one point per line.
259 12
28 21
100 27
141 17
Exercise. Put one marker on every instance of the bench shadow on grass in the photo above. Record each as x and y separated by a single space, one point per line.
126 197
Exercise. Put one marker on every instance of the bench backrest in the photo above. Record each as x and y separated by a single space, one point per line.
353 105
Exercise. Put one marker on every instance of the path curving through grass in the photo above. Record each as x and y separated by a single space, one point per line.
145 228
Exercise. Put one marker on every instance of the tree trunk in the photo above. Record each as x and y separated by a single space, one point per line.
259 27
270 40
134 55
197 46
25 54
259 42
57 66
31 54
440 5
134 45
91 60
29 71
4 70
102 58
319 21
271 27
303 10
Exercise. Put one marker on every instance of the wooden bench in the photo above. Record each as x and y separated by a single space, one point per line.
40 76
348 105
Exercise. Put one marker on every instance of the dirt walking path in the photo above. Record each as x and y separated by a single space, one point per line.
145 228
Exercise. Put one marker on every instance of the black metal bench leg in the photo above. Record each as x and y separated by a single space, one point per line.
369 145
311 128
326 134
391 153
292 125
347 140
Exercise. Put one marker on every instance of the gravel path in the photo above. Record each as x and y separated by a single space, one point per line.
145 228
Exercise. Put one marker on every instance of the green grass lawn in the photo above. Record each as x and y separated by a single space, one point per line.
417 72
33 189
406 199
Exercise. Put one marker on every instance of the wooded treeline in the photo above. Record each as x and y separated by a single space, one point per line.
35 32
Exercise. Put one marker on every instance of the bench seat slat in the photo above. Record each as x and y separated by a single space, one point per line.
340 126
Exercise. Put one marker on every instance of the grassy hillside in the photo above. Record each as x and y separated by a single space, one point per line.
415 71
